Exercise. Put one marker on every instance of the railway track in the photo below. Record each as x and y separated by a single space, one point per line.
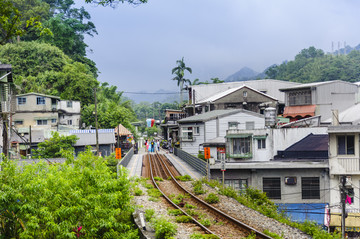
223 225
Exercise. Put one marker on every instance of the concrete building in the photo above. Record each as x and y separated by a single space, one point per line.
69 114
36 110
290 165
318 98
198 129
344 160
242 97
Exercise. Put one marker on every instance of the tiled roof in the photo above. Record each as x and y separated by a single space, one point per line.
122 130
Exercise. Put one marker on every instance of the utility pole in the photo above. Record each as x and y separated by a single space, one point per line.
342 199
96 125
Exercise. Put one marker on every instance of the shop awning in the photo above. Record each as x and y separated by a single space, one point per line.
352 221
300 110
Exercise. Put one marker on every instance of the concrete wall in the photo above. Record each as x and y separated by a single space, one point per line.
30 119
32 106
277 139
289 193
217 128
76 107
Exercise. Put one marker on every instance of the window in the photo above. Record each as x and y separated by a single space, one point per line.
69 104
241 146
237 184
197 130
18 122
21 100
41 122
53 121
250 125
301 97
310 188
233 125
245 94
346 144
40 100
187 133
261 143
69 122
272 187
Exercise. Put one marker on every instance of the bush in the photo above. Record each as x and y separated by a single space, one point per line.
183 219
149 214
154 192
212 198
205 222
184 178
158 179
187 205
138 192
203 236
198 189
192 212
163 228
175 212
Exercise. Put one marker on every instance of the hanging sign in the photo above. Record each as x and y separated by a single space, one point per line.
118 153
207 152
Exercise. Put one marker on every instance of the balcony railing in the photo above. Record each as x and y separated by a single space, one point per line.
350 164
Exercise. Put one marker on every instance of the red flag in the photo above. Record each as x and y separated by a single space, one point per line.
348 200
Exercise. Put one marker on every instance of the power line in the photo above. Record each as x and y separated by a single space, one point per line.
151 93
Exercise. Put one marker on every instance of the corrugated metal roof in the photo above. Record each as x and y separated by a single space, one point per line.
312 142
90 138
33 93
228 92
214 114
313 84
350 115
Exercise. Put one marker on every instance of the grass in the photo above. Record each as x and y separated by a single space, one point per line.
175 212
183 219
184 178
212 198
149 214
163 228
198 187
138 192
203 236
158 179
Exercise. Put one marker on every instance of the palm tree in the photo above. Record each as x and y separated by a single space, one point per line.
179 71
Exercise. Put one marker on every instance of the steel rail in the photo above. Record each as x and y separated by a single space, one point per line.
228 217
176 206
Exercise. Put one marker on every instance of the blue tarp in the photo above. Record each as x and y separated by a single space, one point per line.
299 212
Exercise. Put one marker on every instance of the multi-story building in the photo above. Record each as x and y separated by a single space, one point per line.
318 98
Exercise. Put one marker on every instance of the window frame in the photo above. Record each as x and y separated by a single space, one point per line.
18 122
187 133
196 130
272 187
40 100
241 147
69 122
261 143
310 190
42 122
345 148
21 100
53 121
69 104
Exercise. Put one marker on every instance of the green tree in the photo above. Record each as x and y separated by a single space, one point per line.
216 80
179 72
57 146
82 199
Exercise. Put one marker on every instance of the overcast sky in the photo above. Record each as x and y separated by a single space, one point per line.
137 47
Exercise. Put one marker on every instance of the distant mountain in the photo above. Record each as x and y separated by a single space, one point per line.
243 74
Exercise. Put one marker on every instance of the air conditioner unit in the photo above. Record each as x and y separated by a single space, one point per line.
5 107
290 180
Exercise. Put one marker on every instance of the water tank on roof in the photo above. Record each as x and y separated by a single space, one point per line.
270 116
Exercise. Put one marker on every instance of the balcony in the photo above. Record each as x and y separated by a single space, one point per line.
350 164
188 139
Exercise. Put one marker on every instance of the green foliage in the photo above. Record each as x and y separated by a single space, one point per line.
54 200
175 212
112 162
228 191
187 205
42 68
212 198
138 192
198 187
312 65
57 146
203 236
158 179
183 219
184 178
272 234
149 214
205 222
154 192
163 228
192 212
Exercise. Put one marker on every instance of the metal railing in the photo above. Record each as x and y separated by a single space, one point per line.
125 160
198 164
